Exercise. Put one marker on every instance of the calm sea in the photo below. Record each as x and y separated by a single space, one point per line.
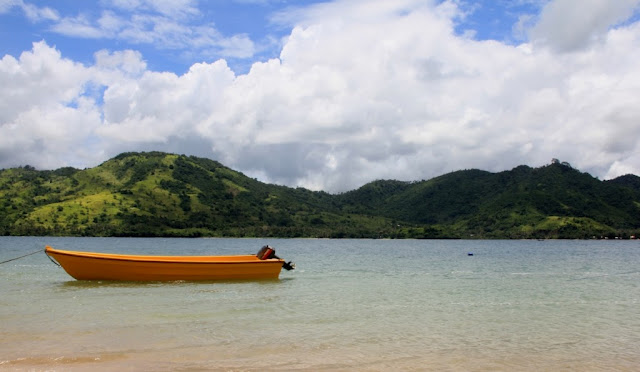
365 305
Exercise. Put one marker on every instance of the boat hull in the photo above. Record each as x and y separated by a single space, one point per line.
104 266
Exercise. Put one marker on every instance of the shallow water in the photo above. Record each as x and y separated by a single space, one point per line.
372 305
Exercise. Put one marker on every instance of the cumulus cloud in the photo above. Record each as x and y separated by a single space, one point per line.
44 117
568 25
361 91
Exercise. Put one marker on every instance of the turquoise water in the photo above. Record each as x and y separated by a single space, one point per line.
372 305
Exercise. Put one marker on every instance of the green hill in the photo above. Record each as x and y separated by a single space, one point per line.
555 201
159 194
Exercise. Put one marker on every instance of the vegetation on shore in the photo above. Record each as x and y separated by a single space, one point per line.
160 194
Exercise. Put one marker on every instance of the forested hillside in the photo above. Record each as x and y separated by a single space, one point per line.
159 194
555 201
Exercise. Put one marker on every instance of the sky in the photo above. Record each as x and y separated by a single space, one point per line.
325 95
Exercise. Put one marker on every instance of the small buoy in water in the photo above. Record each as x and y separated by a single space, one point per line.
469 254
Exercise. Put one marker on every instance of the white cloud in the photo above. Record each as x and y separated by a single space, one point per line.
39 78
129 62
36 14
155 107
6 5
44 117
32 12
169 25
82 27
176 9
361 91
568 25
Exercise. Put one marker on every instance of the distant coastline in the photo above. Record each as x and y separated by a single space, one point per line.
156 194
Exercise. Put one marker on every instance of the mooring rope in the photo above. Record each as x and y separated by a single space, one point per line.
52 260
17 258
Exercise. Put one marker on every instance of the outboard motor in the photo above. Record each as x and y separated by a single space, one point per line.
288 266
268 252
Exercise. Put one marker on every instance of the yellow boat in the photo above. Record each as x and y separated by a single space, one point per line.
108 266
